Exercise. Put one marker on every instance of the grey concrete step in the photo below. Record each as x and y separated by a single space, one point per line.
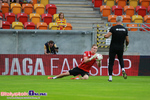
74 9
77 12
84 15
72 2
73 5
85 19
83 22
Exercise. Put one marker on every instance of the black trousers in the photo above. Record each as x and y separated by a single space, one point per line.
112 54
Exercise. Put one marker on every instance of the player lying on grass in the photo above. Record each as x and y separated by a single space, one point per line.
89 58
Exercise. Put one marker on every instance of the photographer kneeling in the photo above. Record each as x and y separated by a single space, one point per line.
50 48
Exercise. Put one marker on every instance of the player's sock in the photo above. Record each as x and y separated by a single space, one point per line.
123 69
110 77
54 77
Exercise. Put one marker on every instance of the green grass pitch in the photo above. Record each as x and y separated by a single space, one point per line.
95 88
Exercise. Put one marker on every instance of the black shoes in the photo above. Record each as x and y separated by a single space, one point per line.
109 80
124 74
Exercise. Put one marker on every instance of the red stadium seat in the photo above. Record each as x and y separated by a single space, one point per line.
141 10
22 17
1 15
148 9
10 17
5 25
144 26
117 10
47 18
29 25
51 9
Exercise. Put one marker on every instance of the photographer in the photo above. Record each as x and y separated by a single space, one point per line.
50 48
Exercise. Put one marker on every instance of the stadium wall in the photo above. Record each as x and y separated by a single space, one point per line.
69 41
29 64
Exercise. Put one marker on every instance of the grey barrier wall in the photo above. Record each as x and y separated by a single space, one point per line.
32 41
69 42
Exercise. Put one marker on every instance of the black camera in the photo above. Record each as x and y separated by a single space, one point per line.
56 47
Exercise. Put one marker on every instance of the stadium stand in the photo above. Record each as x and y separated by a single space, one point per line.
5 25
42 26
68 26
105 10
126 19
132 25
129 10
35 18
1 15
34 2
44 2
10 17
146 26
5 8
55 16
148 9
112 18
27 8
29 25
137 19
16 8
117 10
141 10
17 25
47 18
144 3
110 3
22 17
133 3
147 18
39 8
121 3
51 9
53 26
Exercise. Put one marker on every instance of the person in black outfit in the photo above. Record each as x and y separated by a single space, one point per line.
119 35
50 48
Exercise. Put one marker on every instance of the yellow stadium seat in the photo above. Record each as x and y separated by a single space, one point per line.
35 18
17 25
137 19
39 8
133 3
16 8
44 2
110 3
53 26
55 16
42 26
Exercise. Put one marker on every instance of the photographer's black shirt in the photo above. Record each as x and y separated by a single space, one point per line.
119 34
50 50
